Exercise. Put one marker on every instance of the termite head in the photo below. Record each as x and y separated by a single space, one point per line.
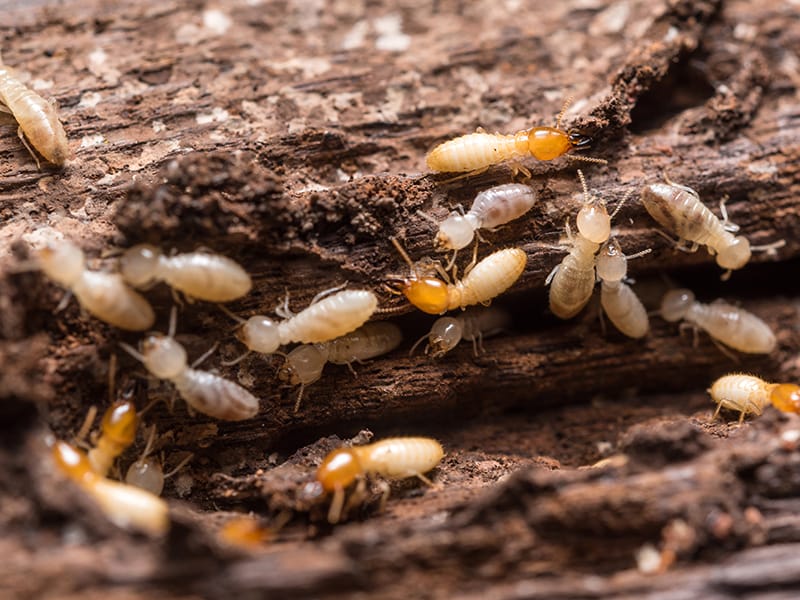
735 255
63 262
428 294
146 473
611 264
594 222
72 462
260 334
339 469
303 365
675 304
455 233
138 265
120 422
163 356
444 336
786 397
578 139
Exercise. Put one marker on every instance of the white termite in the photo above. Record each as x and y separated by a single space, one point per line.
620 303
473 325
147 471
201 275
104 295
305 363
733 326
746 394
205 392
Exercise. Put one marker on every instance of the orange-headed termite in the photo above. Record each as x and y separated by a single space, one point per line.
474 325
620 303
117 433
750 394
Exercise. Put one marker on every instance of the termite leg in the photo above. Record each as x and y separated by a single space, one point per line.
473 173
385 491
473 262
452 262
423 479
64 301
28 148
726 223
283 310
327 292
80 437
517 168
351 369
235 361
337 503
721 347
552 274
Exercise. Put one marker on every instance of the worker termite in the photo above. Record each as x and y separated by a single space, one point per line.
572 282
750 394
479 151
124 505
304 364
392 458
105 295
37 118
147 472
620 303
200 275
733 326
205 392
678 208
486 280
474 325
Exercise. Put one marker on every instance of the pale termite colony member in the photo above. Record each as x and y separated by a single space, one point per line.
392 458
572 282
485 281
124 505
732 326
478 151
749 394
104 295
678 209
147 471
620 303
473 325
305 363
323 320
204 392
37 118
199 275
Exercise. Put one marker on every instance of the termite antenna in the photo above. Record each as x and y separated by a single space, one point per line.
620 205
179 466
590 159
586 197
173 321
638 254
427 217
417 343
132 351
567 102
231 314
769 248
402 252
237 360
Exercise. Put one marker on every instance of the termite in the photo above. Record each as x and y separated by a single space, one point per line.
117 433
104 295
750 395
205 392
620 303
147 472
392 458
474 325
733 326
124 505
304 364
37 118
678 208
479 151
486 280
200 275
572 282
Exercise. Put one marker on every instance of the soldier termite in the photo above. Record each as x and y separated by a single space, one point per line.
37 119
572 282
392 458
147 472
104 295
620 303
486 280
678 208
479 151
124 505
205 392
304 364
117 433
474 325
200 275
733 326
750 394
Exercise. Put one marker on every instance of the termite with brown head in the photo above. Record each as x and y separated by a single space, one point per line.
479 151
620 303
572 282
37 118
474 325
304 364
200 275
392 458
124 505
749 394
147 471
733 326
104 295
678 209
485 281
205 392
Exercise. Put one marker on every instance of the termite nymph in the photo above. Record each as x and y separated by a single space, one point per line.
479 151
147 472
486 280
205 392
749 394
200 275
620 303
733 326
474 325
104 295
37 118
392 458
